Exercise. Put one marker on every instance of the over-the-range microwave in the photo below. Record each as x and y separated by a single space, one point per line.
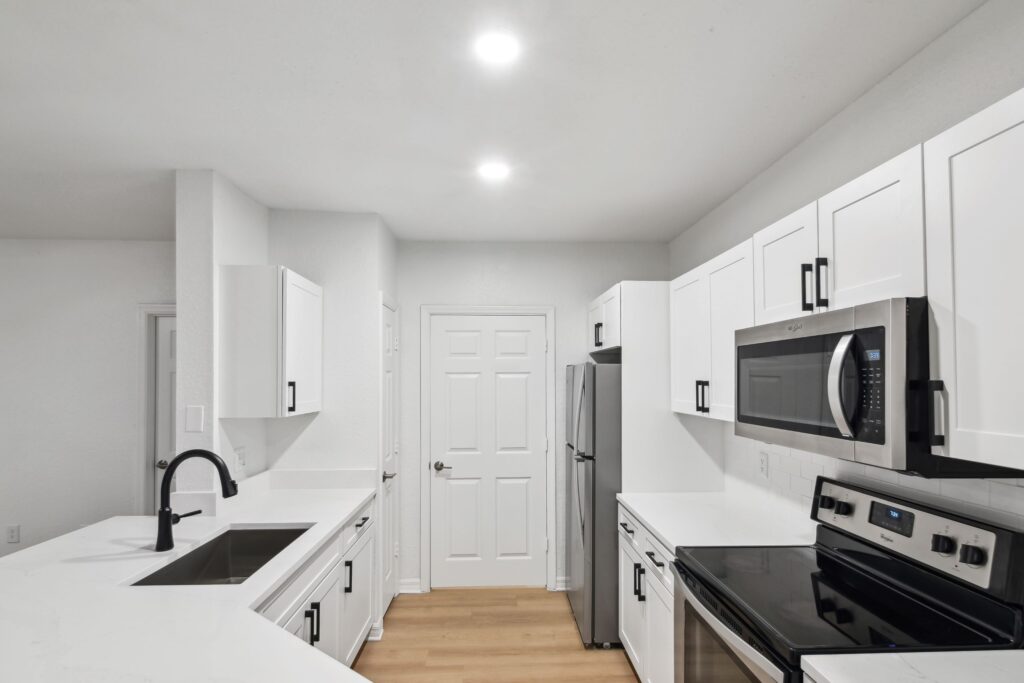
851 383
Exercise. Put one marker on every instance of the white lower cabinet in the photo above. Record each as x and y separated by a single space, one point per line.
328 602
646 618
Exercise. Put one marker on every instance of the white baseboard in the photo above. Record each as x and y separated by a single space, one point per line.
376 632
562 583
409 586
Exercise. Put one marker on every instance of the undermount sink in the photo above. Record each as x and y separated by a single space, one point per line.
230 558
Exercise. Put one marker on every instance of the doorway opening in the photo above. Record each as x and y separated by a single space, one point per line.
158 342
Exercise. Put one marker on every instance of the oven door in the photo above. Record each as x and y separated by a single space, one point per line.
707 651
819 392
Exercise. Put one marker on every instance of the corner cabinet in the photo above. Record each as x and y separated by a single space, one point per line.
646 603
327 602
706 307
271 342
604 316
974 184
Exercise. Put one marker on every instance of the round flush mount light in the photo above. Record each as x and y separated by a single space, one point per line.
494 171
496 48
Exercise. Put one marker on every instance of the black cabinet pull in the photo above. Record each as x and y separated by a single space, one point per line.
348 570
640 584
805 270
598 328
636 579
819 263
657 564
696 400
309 615
315 638
626 528
291 388
935 386
702 396
362 522
704 402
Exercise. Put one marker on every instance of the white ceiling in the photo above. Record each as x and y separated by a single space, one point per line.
622 120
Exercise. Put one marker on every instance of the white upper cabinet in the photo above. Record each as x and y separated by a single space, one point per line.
974 182
707 306
784 257
871 236
271 342
604 317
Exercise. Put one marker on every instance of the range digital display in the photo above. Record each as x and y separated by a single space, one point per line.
892 518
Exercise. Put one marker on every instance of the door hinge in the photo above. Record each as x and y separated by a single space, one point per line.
547 545
396 343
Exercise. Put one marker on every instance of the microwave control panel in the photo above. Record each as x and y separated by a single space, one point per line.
869 361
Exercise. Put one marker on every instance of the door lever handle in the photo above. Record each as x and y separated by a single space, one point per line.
438 466
389 475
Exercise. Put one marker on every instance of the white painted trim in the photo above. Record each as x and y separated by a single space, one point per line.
561 584
426 312
376 632
146 326
409 586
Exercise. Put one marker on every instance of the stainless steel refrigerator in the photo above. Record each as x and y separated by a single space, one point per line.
593 458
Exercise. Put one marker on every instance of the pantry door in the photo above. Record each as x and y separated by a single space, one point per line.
487 446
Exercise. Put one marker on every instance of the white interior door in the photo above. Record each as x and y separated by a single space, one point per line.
784 254
163 433
974 176
488 427
389 458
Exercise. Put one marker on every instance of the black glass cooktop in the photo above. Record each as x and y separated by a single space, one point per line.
809 599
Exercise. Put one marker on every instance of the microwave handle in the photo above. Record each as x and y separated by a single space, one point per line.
835 375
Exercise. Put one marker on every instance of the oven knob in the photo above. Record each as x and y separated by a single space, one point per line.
944 545
843 508
826 502
972 554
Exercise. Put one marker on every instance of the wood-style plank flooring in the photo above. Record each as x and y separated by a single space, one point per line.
501 635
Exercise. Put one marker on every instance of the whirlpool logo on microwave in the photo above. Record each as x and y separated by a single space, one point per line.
794 327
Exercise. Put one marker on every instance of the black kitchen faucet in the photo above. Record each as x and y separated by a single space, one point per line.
167 519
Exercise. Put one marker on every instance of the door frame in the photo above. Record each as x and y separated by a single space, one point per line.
377 630
427 312
147 315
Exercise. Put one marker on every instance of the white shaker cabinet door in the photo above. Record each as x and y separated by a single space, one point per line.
632 617
689 337
659 663
974 180
730 286
611 306
784 255
595 326
871 235
303 345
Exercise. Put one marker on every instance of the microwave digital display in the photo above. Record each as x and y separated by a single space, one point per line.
892 518
873 355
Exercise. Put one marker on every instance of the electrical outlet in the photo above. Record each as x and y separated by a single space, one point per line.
240 455
14 533
764 464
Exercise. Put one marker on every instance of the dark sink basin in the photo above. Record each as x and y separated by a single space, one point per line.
230 558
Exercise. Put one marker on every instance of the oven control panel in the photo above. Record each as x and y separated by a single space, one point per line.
943 543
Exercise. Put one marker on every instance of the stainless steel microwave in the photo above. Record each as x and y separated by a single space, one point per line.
851 383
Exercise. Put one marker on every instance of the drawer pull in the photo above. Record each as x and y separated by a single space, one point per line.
362 522
626 528
657 564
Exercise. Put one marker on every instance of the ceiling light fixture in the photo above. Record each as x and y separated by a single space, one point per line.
494 171
497 48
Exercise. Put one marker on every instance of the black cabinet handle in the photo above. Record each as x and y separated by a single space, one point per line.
362 522
315 638
636 579
657 564
819 263
935 386
696 400
309 615
348 569
640 584
626 528
291 387
702 404
598 328
805 270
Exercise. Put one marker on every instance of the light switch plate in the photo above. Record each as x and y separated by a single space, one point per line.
14 533
194 418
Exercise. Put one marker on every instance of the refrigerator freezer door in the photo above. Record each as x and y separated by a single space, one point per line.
579 543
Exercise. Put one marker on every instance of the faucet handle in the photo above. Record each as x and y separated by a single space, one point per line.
177 518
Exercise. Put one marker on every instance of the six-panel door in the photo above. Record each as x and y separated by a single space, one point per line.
974 179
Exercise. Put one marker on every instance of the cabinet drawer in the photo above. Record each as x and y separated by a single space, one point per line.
280 606
631 530
356 526
655 554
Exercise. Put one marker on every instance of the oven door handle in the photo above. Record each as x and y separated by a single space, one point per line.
835 376
765 670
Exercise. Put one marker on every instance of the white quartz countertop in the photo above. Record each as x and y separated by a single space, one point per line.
991 666
68 611
742 517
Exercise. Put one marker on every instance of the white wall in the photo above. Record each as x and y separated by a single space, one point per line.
567 276
350 255
71 433
976 63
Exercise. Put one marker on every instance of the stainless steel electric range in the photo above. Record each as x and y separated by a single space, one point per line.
885 574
